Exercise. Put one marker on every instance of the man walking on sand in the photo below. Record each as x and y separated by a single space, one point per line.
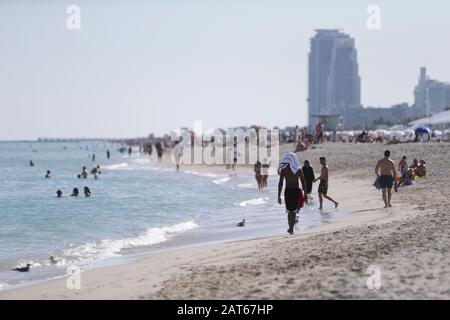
290 170
386 167
323 185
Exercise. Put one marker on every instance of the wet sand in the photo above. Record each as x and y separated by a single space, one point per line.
408 244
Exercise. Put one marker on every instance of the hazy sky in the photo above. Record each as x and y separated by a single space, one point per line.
137 67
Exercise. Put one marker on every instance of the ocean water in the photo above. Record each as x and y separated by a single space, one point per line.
135 207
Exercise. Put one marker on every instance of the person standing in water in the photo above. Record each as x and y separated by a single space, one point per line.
84 173
235 154
150 149
130 151
93 157
290 170
159 150
265 172
323 185
87 192
177 153
96 171
258 176
108 154
385 170
308 172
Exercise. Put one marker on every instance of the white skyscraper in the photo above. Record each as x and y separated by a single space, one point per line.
334 82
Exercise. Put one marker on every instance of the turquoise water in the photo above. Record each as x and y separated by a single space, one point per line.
135 206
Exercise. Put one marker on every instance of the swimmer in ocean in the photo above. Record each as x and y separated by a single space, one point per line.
75 192
87 192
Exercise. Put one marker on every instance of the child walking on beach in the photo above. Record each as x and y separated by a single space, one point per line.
323 185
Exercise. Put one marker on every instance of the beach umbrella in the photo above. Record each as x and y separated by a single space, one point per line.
437 133
396 134
397 127
446 135
409 135
422 130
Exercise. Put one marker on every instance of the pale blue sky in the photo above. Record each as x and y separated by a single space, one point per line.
137 67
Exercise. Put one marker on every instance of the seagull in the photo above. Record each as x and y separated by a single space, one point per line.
241 224
23 269
52 260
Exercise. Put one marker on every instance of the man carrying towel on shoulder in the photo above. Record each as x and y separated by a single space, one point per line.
290 170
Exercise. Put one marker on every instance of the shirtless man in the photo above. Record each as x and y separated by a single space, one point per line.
386 167
292 191
84 173
323 185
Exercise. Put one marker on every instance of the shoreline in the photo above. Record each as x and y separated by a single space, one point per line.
130 256
167 246
409 243
174 256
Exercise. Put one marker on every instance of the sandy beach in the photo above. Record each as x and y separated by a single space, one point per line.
408 244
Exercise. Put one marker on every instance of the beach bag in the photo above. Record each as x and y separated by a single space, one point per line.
301 199
376 184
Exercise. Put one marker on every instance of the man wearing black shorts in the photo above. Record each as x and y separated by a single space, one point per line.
385 170
323 185
290 171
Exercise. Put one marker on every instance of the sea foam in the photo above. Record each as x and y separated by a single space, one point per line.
3 285
108 248
252 202
119 166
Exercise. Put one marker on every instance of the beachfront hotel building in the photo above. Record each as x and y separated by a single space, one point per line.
334 82
431 96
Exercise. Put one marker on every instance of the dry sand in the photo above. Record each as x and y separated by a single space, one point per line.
409 243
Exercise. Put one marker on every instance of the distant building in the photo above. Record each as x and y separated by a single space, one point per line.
334 82
370 117
431 96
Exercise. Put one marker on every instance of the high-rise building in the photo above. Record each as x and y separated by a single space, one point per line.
431 96
334 82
